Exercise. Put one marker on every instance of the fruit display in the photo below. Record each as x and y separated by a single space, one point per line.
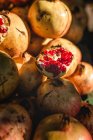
46 70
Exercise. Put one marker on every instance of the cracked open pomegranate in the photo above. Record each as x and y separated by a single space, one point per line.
49 19
13 34
59 58
4 26
82 78
61 127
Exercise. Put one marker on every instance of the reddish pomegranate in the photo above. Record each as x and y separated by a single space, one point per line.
49 19
61 127
57 96
58 58
85 116
82 78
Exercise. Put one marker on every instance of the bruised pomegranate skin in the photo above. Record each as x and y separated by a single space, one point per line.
82 78
57 96
61 127
58 59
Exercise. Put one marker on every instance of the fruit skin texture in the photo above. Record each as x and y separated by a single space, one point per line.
9 76
57 96
69 46
16 41
29 77
49 19
21 11
36 44
82 78
75 33
53 127
15 122
85 116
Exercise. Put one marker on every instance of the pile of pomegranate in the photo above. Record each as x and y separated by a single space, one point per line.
44 74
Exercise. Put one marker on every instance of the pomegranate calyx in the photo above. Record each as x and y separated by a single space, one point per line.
57 82
80 69
65 123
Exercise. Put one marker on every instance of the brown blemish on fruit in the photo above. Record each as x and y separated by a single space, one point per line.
23 33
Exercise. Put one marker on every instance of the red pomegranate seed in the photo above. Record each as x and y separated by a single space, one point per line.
1 21
3 29
56 60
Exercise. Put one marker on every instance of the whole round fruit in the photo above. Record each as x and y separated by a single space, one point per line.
8 75
49 19
57 96
61 127
15 34
82 78
59 58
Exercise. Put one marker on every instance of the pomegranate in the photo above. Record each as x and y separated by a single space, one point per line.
58 58
16 35
79 22
82 78
30 77
49 19
89 12
22 59
21 12
75 33
57 96
79 14
61 127
15 123
8 75
85 116
36 44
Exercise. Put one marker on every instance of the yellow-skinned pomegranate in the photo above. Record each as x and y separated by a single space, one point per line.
49 19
